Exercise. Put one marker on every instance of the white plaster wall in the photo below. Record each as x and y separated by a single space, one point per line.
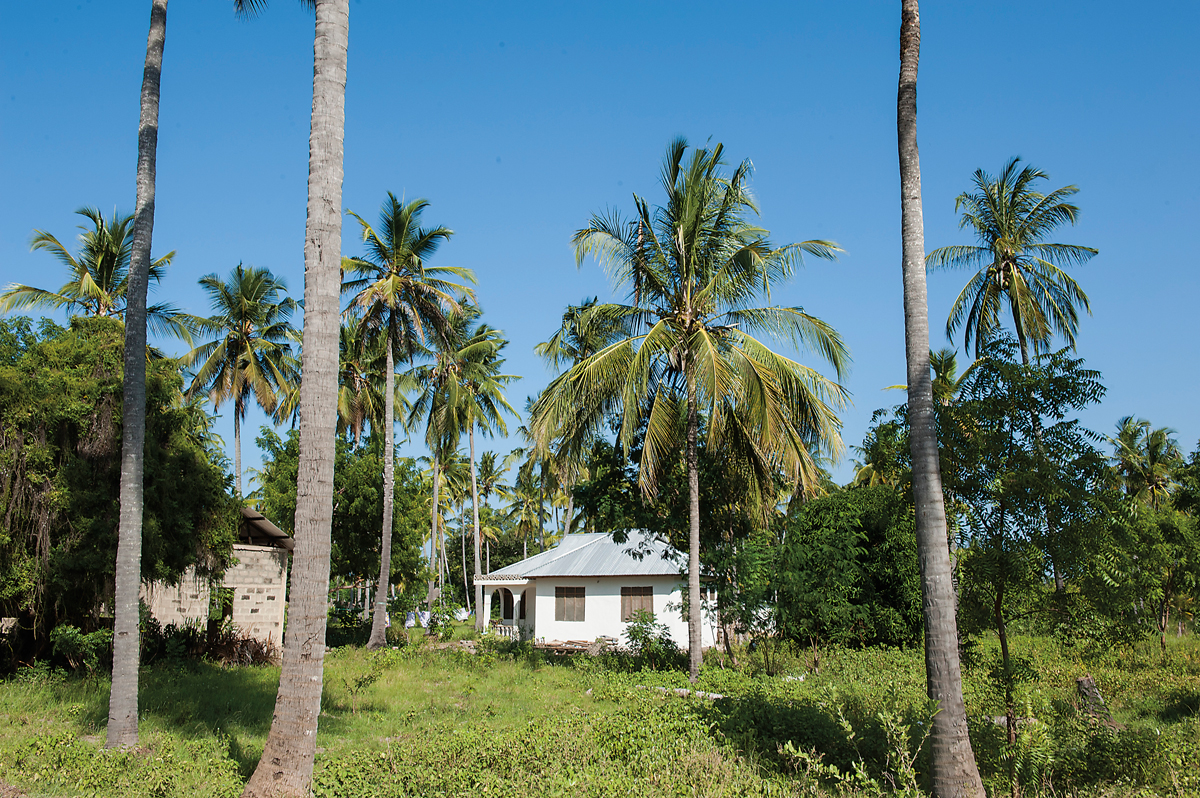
602 613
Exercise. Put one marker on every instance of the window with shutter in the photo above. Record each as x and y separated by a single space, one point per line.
634 599
568 603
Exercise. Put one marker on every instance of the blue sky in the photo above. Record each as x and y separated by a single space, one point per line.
517 121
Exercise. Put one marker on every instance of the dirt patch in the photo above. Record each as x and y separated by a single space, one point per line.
9 791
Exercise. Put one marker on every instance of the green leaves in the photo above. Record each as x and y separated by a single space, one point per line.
694 269
1016 265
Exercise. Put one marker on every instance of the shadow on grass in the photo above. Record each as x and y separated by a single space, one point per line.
1180 704
199 700
762 725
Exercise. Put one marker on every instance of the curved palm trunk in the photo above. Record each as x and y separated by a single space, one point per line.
475 521
123 698
693 473
378 621
433 531
953 771
287 760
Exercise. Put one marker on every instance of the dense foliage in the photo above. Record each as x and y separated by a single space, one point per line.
60 437
848 570
358 505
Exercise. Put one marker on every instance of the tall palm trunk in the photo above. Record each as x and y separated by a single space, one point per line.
287 760
542 511
475 522
953 771
378 622
433 531
462 539
693 474
237 450
123 698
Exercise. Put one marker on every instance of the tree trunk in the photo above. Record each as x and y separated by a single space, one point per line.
570 513
237 450
1164 620
489 557
542 511
953 771
379 621
123 697
693 475
444 564
435 569
475 522
287 760
462 540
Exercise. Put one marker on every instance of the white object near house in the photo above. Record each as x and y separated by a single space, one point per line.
588 586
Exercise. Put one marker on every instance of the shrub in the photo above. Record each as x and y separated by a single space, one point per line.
86 651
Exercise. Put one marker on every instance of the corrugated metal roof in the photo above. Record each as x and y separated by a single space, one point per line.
596 554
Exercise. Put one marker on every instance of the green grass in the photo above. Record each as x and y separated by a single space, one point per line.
420 721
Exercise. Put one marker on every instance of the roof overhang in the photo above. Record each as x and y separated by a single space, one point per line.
503 581
255 529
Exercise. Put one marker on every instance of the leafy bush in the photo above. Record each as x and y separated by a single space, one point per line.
86 651
848 570
651 644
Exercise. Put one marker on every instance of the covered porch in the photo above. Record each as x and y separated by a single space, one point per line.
515 596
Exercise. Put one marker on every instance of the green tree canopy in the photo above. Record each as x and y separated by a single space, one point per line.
847 571
358 504
60 425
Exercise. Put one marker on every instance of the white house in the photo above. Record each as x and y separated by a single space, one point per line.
588 586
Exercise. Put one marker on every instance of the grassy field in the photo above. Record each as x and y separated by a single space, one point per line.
418 721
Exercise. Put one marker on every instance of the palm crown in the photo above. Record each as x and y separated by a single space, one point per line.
1016 264
694 269
1145 459
251 352
394 290
99 276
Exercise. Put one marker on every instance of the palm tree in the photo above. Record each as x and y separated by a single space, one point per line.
361 382
461 390
582 334
525 503
286 766
1018 267
1145 460
480 403
99 276
123 700
250 354
490 479
953 771
404 302
694 268
448 474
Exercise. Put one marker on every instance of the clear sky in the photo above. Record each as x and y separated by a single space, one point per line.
519 120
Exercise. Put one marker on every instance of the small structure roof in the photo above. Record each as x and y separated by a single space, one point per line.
256 530
596 554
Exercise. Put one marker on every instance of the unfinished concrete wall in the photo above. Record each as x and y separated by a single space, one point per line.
259 581
178 604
